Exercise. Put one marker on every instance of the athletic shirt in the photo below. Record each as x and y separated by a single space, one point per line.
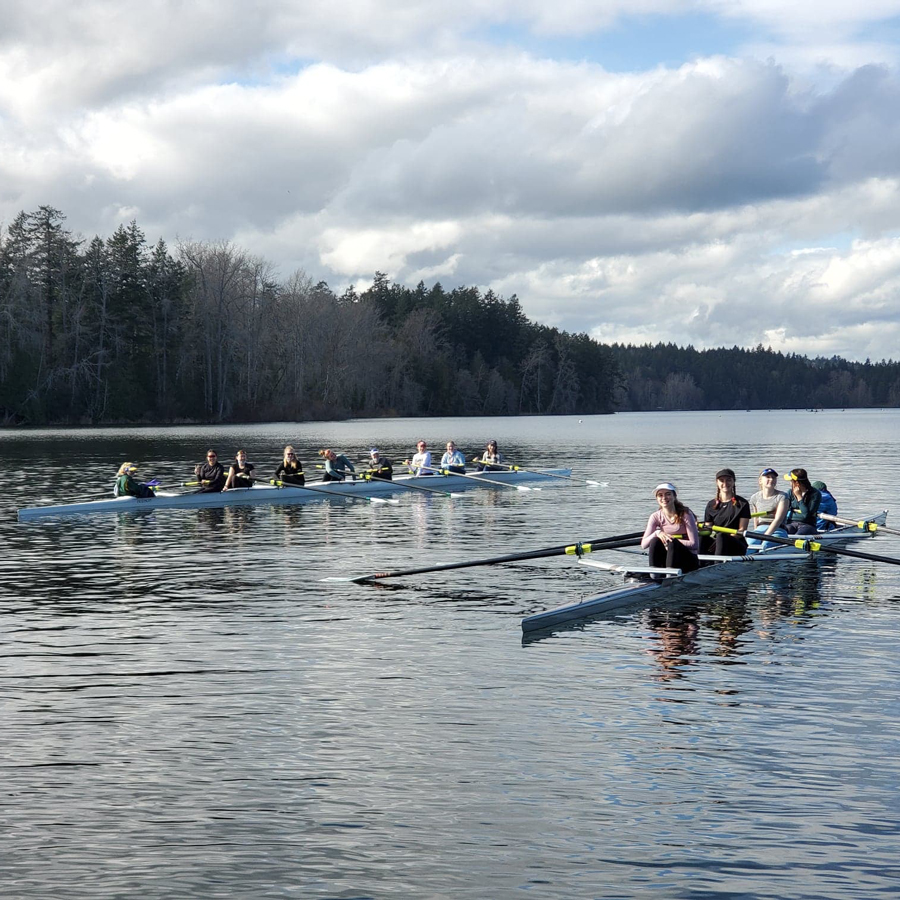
758 503
727 513
245 469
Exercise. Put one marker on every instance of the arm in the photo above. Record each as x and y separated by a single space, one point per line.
692 536
650 532
229 481
779 516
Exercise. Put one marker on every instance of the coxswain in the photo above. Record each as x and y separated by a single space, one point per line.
671 538
379 467
337 466
210 474
126 486
240 473
453 460
290 471
768 509
805 502
420 464
727 510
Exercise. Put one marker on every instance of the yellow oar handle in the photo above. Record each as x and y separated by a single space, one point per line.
488 462
578 549
758 515
194 483
725 530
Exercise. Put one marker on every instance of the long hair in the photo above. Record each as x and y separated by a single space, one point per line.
800 476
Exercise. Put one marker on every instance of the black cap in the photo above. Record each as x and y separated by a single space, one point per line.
722 473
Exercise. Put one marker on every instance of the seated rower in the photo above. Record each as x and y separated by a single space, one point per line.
126 486
772 505
290 471
828 506
210 474
240 472
805 501
420 464
491 459
453 460
671 537
337 466
727 510
379 467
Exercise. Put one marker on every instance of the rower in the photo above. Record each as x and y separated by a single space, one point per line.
210 474
805 501
126 486
768 508
727 510
491 460
337 466
379 467
290 471
240 473
671 537
420 464
453 460
827 506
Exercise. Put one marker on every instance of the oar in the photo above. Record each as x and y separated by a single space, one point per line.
515 487
487 462
320 490
804 543
576 549
412 487
864 524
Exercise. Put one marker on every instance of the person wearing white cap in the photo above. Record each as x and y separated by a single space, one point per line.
379 467
671 538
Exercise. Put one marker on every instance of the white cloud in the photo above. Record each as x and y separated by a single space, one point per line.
412 147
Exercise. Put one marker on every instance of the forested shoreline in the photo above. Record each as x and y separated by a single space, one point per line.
117 331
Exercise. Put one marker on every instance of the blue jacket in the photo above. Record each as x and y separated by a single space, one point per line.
828 505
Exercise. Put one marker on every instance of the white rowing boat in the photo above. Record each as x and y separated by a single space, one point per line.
269 494
638 586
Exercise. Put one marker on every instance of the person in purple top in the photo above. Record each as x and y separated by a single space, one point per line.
671 538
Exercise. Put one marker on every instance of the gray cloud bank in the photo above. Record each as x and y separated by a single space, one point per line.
730 200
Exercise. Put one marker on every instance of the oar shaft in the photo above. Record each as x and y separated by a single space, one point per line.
319 490
410 487
864 524
487 462
576 549
810 545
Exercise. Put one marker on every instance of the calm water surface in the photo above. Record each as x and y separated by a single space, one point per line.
188 710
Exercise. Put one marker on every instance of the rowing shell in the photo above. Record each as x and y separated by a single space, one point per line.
266 494
723 567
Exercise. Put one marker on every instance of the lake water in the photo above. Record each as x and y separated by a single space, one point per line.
188 710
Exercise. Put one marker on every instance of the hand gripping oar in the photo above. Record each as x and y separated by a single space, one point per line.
576 549
478 478
487 462
806 542
320 490
411 487
864 524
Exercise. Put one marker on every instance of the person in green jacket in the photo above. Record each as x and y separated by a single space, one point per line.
126 486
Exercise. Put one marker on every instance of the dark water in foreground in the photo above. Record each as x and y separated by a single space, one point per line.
187 710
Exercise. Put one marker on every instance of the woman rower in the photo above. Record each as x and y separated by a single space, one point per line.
727 510
805 502
240 473
420 464
453 460
337 466
126 486
768 508
671 538
210 474
491 459
290 471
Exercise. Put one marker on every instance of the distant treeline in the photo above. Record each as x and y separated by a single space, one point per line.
114 330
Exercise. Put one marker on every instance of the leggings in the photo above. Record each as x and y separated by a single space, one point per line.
673 556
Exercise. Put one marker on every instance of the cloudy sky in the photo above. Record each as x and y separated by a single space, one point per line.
713 172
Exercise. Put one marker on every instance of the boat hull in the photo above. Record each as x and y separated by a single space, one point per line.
269 494
636 592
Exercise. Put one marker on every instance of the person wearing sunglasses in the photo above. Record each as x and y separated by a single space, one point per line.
210 474
290 471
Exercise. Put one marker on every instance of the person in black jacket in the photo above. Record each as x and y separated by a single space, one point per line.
240 475
379 467
210 474
727 510
290 471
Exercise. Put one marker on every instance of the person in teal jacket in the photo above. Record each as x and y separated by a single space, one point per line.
126 486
